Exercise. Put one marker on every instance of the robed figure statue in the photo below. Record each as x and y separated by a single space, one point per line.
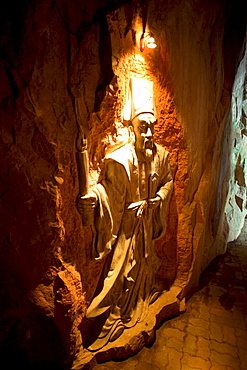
129 204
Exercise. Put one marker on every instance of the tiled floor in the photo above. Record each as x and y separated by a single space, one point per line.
212 333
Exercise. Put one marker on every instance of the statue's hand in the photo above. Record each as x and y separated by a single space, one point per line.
86 203
154 202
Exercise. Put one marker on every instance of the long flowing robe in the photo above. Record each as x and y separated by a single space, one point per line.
128 283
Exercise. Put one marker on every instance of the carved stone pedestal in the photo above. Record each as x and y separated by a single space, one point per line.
134 339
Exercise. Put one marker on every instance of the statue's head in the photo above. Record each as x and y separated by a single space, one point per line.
143 128
139 112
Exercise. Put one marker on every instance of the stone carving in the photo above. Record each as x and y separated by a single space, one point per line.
129 204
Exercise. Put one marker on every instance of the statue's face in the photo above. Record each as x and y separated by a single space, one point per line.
143 127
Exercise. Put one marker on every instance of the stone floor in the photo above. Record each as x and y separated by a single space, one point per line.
212 333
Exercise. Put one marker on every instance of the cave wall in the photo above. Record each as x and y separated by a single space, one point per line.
57 56
235 210
229 217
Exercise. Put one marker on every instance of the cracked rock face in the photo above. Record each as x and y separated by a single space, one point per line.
236 201
66 65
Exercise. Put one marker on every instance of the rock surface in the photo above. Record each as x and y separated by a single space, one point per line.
236 200
58 56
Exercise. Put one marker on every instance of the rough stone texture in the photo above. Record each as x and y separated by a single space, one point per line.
236 200
231 199
56 55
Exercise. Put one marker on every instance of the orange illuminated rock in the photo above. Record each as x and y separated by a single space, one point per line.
56 55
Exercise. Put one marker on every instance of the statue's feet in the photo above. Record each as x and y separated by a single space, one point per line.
107 336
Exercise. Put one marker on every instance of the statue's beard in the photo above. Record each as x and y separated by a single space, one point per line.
148 154
146 149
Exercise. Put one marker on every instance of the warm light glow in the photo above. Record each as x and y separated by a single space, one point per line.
147 40
151 44
139 57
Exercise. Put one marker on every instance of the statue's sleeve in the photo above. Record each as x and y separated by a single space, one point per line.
111 194
164 191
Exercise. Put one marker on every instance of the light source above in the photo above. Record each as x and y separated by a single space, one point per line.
147 40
